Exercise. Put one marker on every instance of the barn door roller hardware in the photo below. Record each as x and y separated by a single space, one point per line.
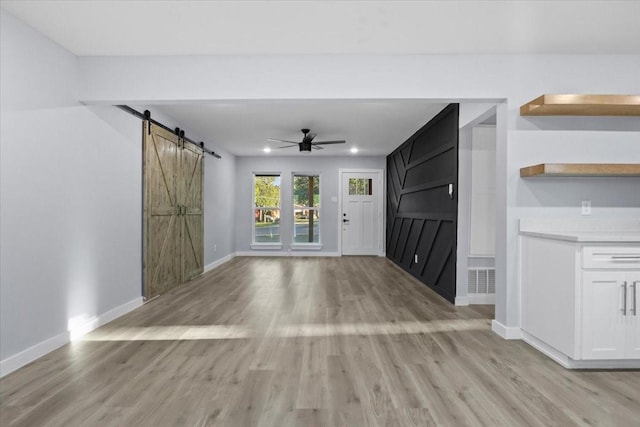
180 133
147 116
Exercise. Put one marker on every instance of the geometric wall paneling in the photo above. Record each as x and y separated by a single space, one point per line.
173 249
421 211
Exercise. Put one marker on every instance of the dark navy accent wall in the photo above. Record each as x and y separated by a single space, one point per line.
421 215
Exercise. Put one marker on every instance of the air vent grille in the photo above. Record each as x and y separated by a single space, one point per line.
482 281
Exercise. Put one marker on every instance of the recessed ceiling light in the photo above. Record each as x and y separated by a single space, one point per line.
267 150
354 150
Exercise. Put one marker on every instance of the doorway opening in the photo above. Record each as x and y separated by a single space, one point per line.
477 215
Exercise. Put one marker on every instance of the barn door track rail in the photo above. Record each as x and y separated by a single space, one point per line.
147 116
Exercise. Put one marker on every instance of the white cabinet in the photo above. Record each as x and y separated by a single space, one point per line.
579 300
633 319
609 319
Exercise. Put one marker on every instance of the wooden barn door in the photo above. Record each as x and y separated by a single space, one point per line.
191 219
173 249
161 253
422 203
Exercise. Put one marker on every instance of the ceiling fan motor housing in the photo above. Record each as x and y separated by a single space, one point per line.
305 146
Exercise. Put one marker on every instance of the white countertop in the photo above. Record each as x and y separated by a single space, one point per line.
596 230
587 236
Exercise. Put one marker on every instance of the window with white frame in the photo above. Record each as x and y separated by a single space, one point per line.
266 208
306 208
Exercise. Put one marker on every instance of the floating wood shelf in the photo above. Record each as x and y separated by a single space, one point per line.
583 105
581 169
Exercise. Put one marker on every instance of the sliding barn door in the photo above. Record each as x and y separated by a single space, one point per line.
160 219
191 218
422 203
173 230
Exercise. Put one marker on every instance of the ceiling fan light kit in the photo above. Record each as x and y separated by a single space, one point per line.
307 143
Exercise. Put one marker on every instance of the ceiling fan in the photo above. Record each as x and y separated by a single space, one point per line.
307 142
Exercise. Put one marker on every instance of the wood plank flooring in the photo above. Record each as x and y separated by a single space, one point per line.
351 341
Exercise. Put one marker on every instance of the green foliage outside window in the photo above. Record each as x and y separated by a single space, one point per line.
301 187
267 191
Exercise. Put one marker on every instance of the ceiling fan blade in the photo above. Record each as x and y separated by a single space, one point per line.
311 136
287 146
316 147
282 140
328 142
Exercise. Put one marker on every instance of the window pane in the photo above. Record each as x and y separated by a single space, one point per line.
306 228
267 225
267 191
353 186
306 200
360 187
266 214
306 190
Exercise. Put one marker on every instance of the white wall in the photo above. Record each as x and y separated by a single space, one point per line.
70 202
489 78
219 207
327 167
482 228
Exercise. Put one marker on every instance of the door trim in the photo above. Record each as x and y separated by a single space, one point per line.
381 206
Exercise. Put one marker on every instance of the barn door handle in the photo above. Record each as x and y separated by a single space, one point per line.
451 191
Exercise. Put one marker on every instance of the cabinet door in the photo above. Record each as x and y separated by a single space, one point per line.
633 317
604 325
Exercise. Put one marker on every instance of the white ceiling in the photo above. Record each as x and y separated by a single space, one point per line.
92 28
374 127
121 28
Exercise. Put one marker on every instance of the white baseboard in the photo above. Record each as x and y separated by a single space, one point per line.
461 301
473 299
569 363
506 332
489 299
219 262
287 253
18 360
27 356
266 246
306 247
95 322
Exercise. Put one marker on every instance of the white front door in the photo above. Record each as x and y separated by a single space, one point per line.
361 212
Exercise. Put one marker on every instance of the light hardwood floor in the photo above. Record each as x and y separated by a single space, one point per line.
351 341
